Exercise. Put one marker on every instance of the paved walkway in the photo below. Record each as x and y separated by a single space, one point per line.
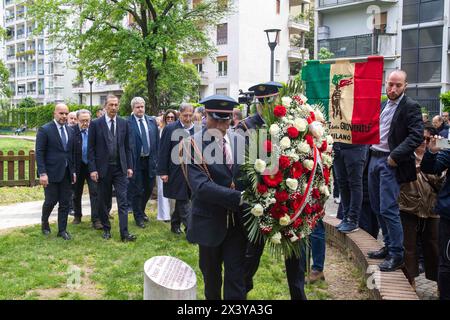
29 138
29 213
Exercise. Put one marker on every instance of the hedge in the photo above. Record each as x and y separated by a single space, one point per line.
34 117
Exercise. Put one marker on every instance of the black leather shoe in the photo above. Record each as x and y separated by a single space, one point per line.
391 264
146 219
97 225
45 228
106 235
65 235
128 237
380 254
176 230
76 220
140 224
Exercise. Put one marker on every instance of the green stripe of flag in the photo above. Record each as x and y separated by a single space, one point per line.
317 79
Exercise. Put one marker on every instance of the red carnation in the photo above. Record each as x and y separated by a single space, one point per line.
292 132
284 162
281 196
278 211
268 146
310 140
316 193
323 147
279 111
326 175
273 180
262 188
308 210
297 223
296 170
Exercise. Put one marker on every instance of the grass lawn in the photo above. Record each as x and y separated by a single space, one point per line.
28 133
35 267
11 144
9 195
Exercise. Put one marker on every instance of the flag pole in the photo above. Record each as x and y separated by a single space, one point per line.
356 59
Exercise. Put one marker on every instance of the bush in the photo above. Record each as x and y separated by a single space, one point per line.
445 99
26 102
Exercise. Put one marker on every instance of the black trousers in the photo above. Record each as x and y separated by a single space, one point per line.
444 259
295 269
231 254
82 177
180 214
140 189
116 178
58 192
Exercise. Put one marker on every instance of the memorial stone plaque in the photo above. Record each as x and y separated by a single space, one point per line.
169 278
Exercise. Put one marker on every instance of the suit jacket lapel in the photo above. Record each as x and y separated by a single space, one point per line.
397 112
105 130
56 132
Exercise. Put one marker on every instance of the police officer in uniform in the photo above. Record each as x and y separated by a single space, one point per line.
216 220
295 267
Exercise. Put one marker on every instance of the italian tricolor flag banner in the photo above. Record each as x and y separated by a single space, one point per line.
351 96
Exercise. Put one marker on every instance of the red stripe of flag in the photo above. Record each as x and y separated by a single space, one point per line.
367 101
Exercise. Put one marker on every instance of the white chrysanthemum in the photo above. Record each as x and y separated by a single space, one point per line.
257 210
294 157
300 124
316 129
327 160
292 184
284 221
286 101
303 147
285 143
276 238
324 190
260 165
308 164
274 129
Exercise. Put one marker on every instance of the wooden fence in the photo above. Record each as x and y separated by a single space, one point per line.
21 159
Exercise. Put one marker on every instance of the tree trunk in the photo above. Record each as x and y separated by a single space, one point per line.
151 87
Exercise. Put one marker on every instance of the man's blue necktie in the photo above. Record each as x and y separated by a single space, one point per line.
145 146
84 146
63 138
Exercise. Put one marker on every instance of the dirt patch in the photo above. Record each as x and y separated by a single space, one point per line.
344 280
85 288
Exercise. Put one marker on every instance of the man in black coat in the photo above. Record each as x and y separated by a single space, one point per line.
216 221
174 183
54 150
81 136
111 163
145 137
392 162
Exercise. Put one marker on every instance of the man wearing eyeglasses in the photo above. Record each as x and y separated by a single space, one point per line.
81 136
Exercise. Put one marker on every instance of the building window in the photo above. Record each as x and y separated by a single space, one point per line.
418 11
102 100
222 33
222 91
277 67
198 63
222 66
422 54
278 6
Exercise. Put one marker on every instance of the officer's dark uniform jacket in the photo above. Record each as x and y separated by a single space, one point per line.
215 204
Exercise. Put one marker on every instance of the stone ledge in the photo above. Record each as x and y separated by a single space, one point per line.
392 285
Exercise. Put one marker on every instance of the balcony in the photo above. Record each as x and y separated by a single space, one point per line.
9 19
222 73
298 54
336 4
10 56
294 3
360 45
298 24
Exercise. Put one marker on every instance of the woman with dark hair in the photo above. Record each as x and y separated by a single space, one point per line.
164 205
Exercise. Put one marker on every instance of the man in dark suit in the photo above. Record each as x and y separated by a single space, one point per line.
216 221
392 162
145 137
110 163
54 149
81 136
174 184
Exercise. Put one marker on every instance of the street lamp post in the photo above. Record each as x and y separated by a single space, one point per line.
272 41
90 89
